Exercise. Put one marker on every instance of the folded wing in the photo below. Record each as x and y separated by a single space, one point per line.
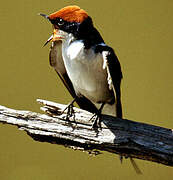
112 65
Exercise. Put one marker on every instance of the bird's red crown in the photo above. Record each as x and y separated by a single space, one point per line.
70 14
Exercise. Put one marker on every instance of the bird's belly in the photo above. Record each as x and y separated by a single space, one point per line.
89 79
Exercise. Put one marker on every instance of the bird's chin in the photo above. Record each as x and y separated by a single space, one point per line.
54 37
57 38
58 35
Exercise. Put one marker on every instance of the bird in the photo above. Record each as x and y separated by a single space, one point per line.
88 67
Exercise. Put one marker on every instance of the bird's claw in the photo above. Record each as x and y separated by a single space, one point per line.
96 119
70 112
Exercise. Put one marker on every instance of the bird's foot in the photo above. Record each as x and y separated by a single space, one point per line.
70 111
96 119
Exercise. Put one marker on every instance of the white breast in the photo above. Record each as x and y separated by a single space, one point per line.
85 69
75 50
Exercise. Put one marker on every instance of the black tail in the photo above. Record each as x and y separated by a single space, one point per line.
118 101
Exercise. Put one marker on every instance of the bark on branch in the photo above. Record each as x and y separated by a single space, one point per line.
124 137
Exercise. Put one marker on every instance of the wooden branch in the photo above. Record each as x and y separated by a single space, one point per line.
123 137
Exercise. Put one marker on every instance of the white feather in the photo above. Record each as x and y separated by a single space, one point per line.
74 50
105 66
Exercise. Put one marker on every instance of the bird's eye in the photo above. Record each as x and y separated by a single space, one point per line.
60 22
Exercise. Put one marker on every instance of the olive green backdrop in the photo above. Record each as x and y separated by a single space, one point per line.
140 31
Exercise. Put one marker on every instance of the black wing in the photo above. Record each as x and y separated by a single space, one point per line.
112 64
114 69
56 61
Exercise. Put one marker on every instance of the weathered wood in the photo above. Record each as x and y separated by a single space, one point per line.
124 137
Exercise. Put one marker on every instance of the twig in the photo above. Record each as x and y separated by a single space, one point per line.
124 137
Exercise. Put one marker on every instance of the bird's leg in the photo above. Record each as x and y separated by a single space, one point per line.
70 111
97 118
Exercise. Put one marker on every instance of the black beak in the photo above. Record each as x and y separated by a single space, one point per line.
44 15
47 17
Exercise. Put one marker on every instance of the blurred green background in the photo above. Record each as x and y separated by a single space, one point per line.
141 32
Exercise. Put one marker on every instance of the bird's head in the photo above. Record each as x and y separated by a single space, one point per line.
68 20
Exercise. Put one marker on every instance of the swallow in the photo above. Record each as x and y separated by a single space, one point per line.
87 66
